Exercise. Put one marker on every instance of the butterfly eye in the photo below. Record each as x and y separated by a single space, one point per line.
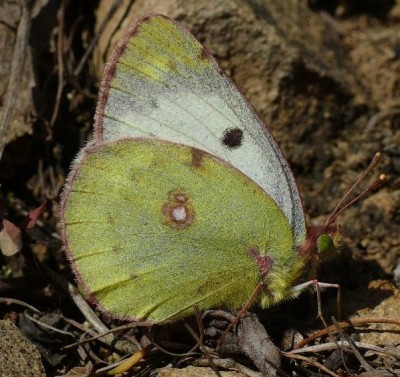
233 138
324 243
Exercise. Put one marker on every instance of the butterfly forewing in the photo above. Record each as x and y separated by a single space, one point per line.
162 83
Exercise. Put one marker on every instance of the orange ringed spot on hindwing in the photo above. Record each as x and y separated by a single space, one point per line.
178 211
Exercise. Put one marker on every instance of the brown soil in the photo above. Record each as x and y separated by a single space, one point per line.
325 78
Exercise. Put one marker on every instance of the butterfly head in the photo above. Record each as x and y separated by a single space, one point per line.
322 243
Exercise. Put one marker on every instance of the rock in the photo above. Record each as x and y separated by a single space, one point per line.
18 357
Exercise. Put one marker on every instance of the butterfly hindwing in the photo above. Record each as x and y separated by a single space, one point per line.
153 228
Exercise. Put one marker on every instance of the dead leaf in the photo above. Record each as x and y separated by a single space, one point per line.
10 238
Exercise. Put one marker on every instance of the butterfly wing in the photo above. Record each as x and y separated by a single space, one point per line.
162 83
153 228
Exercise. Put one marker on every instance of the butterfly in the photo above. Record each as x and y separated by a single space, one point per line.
183 197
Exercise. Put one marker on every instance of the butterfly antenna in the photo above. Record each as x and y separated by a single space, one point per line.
378 182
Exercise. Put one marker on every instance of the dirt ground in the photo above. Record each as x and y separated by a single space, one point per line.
325 77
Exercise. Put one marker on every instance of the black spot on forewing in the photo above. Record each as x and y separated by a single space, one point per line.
232 138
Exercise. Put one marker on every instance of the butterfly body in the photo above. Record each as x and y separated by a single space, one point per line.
183 198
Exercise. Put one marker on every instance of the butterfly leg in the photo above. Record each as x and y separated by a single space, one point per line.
318 286
242 311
